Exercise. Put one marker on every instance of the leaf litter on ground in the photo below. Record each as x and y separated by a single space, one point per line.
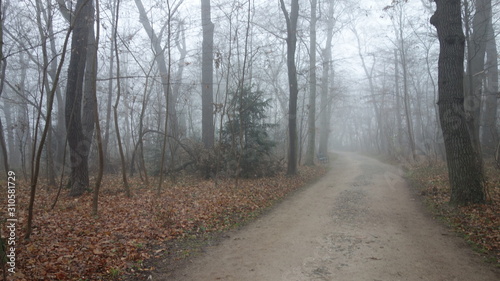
69 243
478 223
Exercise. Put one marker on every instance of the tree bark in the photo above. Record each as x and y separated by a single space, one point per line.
95 199
180 42
23 126
115 106
465 175
60 128
109 101
3 144
78 142
46 86
207 58
475 66
311 131
90 87
14 158
291 41
490 132
398 102
324 110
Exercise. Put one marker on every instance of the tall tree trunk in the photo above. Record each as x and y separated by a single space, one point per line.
476 50
376 108
464 167
78 143
291 41
14 156
166 126
311 144
100 149
115 106
145 100
36 162
46 85
207 123
161 63
3 62
398 22
327 57
398 102
23 127
406 95
59 136
490 132
2 137
180 42
109 101
90 88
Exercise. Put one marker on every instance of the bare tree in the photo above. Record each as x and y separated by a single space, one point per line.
110 82
291 41
50 102
100 148
3 63
490 132
115 106
168 94
140 143
398 23
464 167
2 138
207 123
79 144
476 51
89 99
311 144
398 99
325 84
161 60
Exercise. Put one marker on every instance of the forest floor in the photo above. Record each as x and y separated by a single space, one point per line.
478 224
362 221
69 243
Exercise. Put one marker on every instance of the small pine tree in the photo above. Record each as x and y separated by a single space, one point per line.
244 135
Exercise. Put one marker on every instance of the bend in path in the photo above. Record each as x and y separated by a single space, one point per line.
359 222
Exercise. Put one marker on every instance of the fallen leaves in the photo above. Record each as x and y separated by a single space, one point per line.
479 223
68 243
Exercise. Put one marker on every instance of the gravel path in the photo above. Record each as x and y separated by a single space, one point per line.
360 222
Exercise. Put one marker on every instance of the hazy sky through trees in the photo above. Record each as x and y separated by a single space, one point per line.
352 98
369 16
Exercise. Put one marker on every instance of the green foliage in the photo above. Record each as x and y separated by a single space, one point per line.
115 273
245 138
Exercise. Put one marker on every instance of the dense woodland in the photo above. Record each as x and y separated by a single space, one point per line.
149 90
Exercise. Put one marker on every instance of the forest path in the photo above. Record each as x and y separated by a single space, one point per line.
360 222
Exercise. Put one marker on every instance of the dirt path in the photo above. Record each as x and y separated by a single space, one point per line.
359 223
